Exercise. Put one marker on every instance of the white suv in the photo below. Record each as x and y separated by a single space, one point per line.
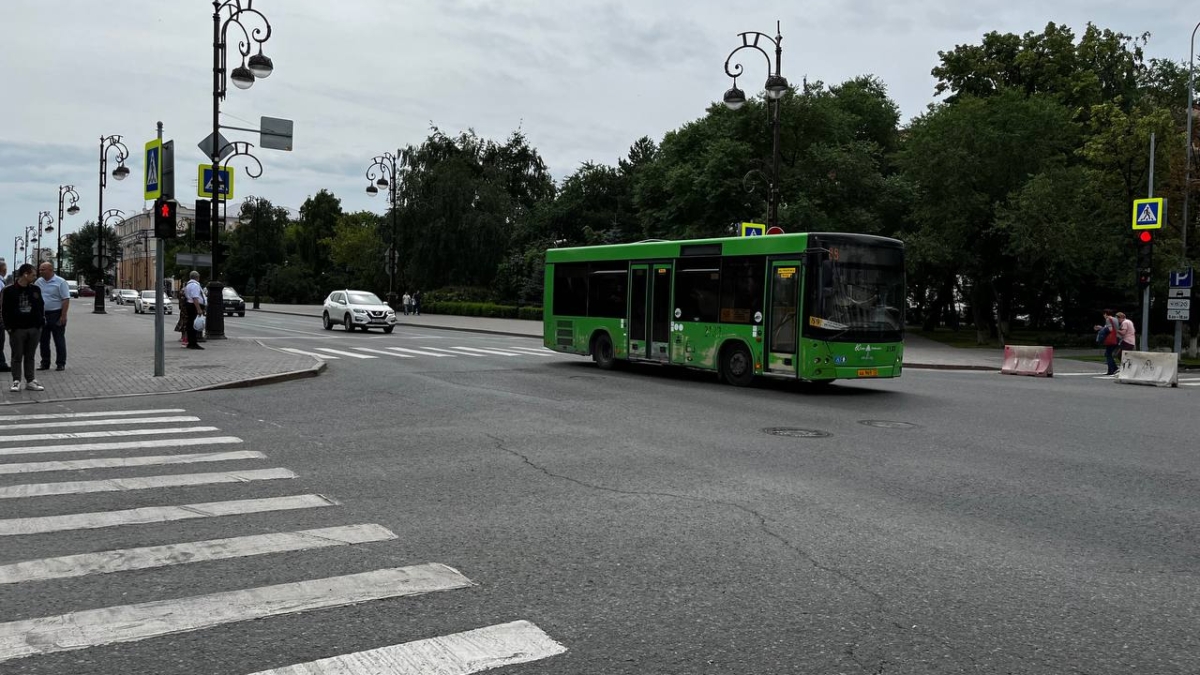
361 309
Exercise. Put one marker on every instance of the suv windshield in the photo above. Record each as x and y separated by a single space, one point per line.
856 293
360 298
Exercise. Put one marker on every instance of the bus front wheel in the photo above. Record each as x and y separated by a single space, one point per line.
602 352
737 365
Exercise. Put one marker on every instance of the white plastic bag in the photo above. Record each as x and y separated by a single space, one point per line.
198 324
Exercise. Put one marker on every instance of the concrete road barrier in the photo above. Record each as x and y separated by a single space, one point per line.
1152 368
1028 360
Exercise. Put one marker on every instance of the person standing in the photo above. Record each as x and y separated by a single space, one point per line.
194 301
1127 335
24 316
1107 335
417 302
56 295
4 368
407 301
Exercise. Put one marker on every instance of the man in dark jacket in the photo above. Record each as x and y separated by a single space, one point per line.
24 315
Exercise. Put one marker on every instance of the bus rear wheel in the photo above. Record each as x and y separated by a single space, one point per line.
737 365
602 352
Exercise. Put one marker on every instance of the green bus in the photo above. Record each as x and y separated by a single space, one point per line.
816 307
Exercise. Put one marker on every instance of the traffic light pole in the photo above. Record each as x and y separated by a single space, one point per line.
160 356
1145 342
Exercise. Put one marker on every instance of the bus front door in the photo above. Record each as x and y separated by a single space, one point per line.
639 289
660 316
782 313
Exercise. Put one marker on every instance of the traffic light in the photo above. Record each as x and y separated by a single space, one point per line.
1145 254
220 252
165 212
203 231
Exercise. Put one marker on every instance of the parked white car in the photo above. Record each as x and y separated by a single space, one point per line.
145 301
126 296
73 287
357 309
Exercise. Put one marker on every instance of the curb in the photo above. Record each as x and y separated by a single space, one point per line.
262 380
947 366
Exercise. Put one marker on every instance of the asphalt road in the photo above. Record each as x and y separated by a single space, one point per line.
649 522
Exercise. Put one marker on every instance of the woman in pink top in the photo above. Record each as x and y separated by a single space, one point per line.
1127 334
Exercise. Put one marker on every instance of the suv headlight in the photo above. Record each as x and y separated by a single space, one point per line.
357 310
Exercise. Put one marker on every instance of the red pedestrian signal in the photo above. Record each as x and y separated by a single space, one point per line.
1145 237
165 210
164 219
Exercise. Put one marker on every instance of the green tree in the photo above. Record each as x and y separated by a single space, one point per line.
256 244
79 252
358 251
318 219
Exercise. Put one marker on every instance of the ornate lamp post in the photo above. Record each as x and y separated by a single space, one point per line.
63 192
382 174
226 14
30 230
776 86
45 224
107 143
17 247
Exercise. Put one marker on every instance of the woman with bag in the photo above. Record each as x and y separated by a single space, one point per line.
1107 335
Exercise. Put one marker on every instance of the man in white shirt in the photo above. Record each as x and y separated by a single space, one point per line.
194 302
57 296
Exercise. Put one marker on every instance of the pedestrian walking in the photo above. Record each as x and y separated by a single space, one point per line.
4 367
407 301
181 324
24 315
1107 335
56 295
1126 334
193 294
417 302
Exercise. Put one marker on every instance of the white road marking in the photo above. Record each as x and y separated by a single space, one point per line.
473 651
343 353
158 514
112 413
1190 384
529 350
420 352
1075 375
58 424
293 350
380 351
129 623
497 352
124 560
121 462
77 487
449 351
66 436
120 445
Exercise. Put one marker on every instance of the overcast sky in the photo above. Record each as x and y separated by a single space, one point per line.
582 78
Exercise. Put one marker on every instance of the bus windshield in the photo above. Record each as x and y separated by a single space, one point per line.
855 293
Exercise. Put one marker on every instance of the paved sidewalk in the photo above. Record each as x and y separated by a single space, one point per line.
111 355
919 352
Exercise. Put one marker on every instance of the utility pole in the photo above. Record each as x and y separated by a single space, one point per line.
1145 342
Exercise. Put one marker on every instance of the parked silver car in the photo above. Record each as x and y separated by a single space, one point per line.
145 301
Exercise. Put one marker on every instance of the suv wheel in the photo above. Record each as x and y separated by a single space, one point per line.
325 322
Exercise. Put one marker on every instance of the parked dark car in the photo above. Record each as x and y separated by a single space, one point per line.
86 292
232 302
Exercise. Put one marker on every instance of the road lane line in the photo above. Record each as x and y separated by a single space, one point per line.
111 433
496 352
343 353
420 352
530 350
78 487
112 413
120 445
123 462
464 653
124 560
58 424
130 623
158 514
380 351
293 350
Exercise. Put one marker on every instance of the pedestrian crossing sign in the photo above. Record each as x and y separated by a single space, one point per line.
753 229
1148 213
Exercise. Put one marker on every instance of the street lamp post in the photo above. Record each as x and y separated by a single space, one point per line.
253 67
106 143
32 229
382 173
45 224
776 86
16 248
63 192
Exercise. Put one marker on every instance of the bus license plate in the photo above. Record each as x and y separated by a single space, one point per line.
868 372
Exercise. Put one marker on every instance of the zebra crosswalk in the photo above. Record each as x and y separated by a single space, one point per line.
190 441
363 353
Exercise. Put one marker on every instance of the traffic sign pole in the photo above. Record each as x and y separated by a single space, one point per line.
1146 291
160 356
